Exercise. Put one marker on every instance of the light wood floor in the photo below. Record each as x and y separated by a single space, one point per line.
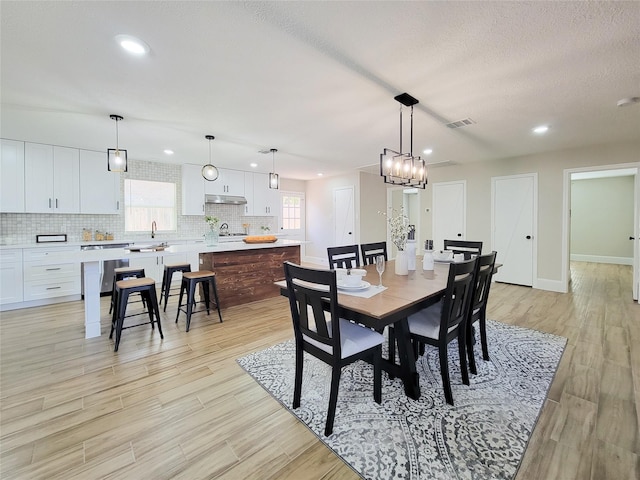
183 408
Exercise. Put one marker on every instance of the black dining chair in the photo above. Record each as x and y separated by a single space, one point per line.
318 330
371 250
478 310
444 321
464 246
343 257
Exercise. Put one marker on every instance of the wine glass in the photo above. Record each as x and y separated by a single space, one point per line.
380 267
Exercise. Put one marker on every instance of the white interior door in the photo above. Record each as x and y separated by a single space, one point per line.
636 240
343 216
449 212
513 210
291 217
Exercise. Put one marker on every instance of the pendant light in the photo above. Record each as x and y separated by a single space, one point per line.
116 157
209 171
274 178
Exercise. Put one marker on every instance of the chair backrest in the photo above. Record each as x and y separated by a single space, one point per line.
371 250
458 294
484 273
343 257
313 300
464 246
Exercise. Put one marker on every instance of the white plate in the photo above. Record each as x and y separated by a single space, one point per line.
363 286
450 260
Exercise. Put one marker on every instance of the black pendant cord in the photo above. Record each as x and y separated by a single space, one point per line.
400 129
411 146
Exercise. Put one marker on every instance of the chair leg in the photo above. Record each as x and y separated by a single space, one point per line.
113 311
215 296
190 296
377 375
483 336
183 287
462 352
392 348
153 306
205 289
470 352
122 310
297 388
146 295
444 373
333 399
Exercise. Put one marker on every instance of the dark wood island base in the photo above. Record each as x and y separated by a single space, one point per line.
244 276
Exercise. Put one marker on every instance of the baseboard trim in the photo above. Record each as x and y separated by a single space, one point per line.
550 285
601 259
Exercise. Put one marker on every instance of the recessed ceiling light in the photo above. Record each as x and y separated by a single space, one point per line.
320 174
168 152
427 151
253 165
541 129
133 45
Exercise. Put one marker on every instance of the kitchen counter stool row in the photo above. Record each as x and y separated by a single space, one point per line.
131 280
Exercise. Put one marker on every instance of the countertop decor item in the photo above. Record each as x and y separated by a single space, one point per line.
260 239
211 237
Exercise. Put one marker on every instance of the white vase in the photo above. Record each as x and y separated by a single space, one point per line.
427 261
402 263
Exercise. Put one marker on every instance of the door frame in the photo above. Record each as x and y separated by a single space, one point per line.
566 221
534 219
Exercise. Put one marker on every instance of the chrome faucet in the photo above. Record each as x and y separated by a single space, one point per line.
154 227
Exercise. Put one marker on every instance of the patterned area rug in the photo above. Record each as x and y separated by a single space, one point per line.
483 436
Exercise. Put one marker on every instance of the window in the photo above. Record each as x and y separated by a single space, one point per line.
291 212
146 202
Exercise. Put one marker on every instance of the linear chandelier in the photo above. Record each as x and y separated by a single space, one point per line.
399 168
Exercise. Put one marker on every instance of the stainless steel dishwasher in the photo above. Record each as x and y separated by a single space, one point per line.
106 267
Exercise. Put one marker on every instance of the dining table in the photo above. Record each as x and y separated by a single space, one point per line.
401 296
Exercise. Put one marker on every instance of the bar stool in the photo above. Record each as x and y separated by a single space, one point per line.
169 270
122 273
146 287
189 282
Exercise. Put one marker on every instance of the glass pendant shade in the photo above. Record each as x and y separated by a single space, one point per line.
209 171
117 160
274 181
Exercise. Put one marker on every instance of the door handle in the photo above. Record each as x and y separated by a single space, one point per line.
459 234
632 238
349 233
528 237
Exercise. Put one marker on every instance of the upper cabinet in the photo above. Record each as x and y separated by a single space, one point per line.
229 182
12 176
52 179
192 190
262 201
99 188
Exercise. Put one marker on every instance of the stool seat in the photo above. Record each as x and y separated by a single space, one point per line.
123 288
189 282
133 271
169 270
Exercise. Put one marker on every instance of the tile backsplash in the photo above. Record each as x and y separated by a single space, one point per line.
23 227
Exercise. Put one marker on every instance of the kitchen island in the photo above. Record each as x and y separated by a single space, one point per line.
245 272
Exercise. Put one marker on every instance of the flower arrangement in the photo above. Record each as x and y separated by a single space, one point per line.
212 221
398 228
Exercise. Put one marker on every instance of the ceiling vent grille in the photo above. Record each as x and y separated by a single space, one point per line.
461 123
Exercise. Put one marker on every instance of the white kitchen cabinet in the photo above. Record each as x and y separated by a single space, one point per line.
52 179
12 176
248 193
192 190
154 267
50 272
99 188
264 200
229 182
11 284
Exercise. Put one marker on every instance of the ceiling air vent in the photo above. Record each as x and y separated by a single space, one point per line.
461 123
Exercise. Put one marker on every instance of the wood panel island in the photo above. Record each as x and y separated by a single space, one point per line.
244 272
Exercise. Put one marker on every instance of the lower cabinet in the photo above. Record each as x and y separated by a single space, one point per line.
154 267
50 272
11 286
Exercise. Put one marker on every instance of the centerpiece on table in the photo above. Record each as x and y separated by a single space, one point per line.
211 237
399 232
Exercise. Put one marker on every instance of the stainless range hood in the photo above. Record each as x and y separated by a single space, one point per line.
225 199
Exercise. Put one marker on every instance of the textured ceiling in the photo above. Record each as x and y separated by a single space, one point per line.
316 80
